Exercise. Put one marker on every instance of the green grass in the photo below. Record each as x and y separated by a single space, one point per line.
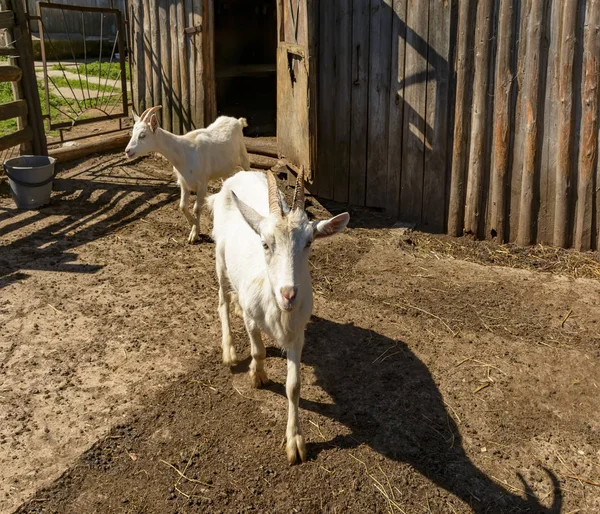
6 95
81 84
96 69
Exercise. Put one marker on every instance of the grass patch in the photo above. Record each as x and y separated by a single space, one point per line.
80 84
96 69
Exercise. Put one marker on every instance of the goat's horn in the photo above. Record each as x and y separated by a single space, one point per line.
298 202
148 112
274 205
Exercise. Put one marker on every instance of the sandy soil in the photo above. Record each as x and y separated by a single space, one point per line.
430 384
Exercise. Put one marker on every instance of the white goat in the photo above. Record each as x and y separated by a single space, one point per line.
199 156
262 250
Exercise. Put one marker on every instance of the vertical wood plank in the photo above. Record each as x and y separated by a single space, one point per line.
155 49
396 108
545 228
479 122
173 37
139 92
436 126
210 92
588 152
502 117
360 100
184 68
191 64
165 64
199 77
147 35
415 99
456 207
565 121
325 175
343 100
530 113
379 91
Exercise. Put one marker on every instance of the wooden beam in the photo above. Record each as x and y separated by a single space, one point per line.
109 144
479 121
9 51
13 109
7 19
260 147
10 73
461 121
565 122
504 80
529 111
588 154
16 138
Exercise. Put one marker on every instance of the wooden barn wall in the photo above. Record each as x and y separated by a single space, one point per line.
476 116
168 61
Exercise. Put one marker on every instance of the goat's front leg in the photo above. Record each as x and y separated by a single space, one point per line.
295 445
229 356
200 194
258 375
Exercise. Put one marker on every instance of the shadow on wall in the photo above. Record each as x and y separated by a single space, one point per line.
400 413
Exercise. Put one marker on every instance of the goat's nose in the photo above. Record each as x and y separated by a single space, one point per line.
289 292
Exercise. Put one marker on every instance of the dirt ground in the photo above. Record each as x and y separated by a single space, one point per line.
430 384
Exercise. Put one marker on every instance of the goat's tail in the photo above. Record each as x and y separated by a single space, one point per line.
243 122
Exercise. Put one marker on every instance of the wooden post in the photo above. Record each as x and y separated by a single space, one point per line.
164 66
139 79
149 21
565 121
175 29
155 48
29 81
588 152
479 121
459 150
184 69
502 94
529 112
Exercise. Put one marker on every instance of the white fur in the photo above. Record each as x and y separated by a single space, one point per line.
199 156
255 277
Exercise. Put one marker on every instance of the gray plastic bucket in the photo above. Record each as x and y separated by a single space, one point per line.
30 178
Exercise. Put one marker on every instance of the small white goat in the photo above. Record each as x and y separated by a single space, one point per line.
199 156
262 250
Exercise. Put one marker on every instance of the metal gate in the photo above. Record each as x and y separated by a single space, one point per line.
86 76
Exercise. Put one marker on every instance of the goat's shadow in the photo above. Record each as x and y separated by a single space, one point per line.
399 412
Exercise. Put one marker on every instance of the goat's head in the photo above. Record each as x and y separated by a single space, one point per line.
144 131
286 240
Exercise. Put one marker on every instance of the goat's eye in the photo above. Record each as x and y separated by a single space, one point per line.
265 245
308 244
142 136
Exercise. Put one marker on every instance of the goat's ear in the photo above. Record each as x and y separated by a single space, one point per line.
153 122
136 118
331 226
253 218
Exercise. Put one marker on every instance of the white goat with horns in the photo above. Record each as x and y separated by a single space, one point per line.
197 157
262 250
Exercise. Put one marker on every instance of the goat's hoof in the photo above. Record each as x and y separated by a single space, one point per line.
229 356
296 449
258 379
193 237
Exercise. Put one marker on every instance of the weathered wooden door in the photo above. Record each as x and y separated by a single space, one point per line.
296 83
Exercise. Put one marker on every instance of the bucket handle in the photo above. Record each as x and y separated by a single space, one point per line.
30 184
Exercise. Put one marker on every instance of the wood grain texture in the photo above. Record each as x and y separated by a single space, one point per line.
479 122
433 216
17 108
415 100
176 105
565 121
165 64
156 54
360 101
588 151
147 44
502 118
530 114
379 92
10 73
184 70
456 203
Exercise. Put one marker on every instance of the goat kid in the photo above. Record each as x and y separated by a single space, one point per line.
262 251
197 157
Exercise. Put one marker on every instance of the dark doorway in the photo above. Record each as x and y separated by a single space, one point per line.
245 47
